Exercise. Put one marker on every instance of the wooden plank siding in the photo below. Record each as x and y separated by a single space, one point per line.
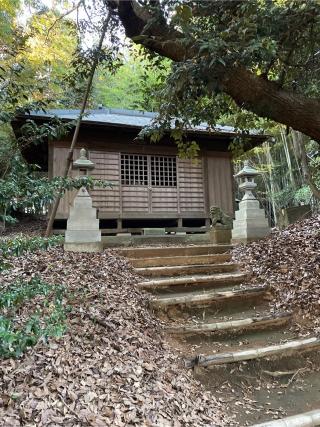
220 182
106 168
135 198
164 199
199 184
191 185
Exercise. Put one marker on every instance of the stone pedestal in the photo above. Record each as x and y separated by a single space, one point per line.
83 234
250 222
220 234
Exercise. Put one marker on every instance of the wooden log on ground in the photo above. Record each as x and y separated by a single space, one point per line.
207 297
256 353
218 279
180 260
186 270
168 251
307 419
250 322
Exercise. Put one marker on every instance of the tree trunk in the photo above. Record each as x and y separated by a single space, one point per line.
55 206
266 99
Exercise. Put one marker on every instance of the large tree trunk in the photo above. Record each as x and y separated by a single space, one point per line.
266 99
249 91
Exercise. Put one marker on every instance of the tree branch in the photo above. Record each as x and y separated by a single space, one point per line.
249 91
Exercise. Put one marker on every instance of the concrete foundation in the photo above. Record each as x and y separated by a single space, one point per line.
154 231
128 240
250 223
83 234
220 234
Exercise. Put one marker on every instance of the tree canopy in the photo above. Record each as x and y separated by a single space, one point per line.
259 55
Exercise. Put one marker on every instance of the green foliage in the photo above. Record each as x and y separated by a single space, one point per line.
48 320
303 195
133 85
32 133
282 183
17 246
277 40
23 190
42 320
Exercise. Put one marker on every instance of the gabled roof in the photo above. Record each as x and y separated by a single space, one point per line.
131 119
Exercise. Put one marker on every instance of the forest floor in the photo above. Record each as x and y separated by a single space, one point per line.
111 366
289 261
114 366
28 226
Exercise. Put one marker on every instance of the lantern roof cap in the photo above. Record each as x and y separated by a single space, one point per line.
247 170
83 162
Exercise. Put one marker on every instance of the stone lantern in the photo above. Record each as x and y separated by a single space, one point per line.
83 164
83 233
250 221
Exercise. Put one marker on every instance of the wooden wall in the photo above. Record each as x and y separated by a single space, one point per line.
200 184
220 181
191 182
106 168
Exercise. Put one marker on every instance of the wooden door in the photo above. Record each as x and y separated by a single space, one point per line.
134 183
149 184
163 184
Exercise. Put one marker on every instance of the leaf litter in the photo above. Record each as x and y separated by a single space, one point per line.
111 367
289 262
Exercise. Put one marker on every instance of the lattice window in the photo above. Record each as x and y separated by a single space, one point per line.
163 171
134 169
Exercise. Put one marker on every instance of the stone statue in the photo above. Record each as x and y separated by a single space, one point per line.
219 218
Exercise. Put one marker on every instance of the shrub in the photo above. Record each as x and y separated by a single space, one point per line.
18 333
19 245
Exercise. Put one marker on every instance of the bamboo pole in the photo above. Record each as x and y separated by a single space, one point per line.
307 419
209 297
298 138
288 158
307 344
250 322
78 124
180 260
181 270
224 278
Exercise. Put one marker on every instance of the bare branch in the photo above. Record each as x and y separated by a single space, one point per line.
61 17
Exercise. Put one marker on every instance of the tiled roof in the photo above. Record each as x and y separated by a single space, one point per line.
129 118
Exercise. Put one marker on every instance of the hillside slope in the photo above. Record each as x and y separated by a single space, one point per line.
111 367
289 261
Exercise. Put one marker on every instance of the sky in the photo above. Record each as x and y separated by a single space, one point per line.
78 14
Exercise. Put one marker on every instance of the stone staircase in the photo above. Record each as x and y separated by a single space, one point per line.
210 309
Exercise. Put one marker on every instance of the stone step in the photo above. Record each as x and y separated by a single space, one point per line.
300 345
306 419
208 297
195 280
183 270
180 260
258 322
168 251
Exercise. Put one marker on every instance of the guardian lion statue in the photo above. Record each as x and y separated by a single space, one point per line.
218 217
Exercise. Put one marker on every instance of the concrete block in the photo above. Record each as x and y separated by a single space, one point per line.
220 235
82 236
154 231
83 247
